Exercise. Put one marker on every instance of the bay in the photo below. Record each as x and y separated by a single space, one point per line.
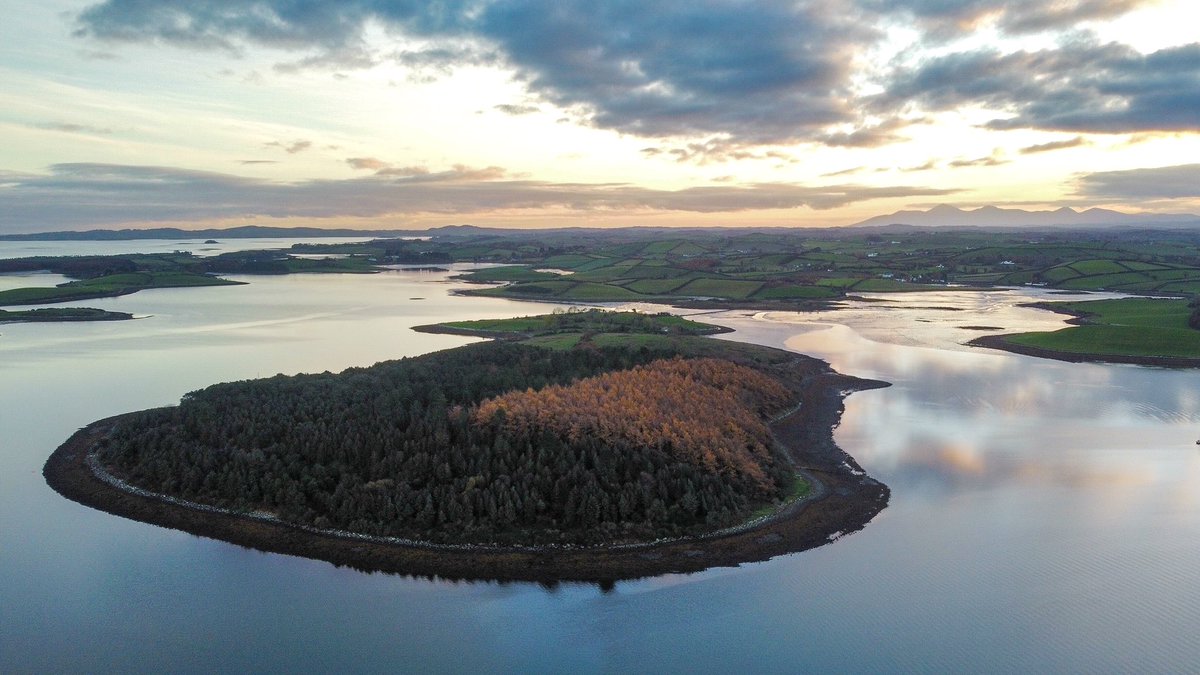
1044 516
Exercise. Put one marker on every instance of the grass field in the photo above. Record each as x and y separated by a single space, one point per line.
1125 327
720 288
795 292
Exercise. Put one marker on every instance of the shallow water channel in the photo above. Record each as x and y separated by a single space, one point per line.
1044 515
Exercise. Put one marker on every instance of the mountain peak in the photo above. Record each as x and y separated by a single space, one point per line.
945 215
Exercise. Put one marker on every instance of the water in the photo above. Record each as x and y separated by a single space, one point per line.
1044 516
25 249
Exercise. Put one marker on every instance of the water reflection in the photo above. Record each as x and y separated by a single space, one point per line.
198 247
961 419
1044 516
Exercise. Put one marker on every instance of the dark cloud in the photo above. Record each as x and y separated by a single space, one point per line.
257 161
1080 87
1054 145
733 74
757 73
1166 182
84 195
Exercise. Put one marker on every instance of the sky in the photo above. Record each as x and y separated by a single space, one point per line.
551 113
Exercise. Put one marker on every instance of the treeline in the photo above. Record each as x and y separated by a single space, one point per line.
393 450
1194 319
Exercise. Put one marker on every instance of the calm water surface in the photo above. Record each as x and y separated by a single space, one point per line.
1044 516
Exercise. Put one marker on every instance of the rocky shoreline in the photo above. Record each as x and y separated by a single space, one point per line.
843 500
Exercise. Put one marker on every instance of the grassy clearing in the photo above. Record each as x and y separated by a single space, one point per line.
798 489
562 341
591 320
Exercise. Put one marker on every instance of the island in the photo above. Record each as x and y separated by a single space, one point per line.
585 445
59 314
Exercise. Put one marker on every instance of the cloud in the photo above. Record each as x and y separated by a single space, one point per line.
370 163
716 150
1054 145
843 172
1166 182
736 74
755 73
86 195
513 109
994 159
1080 87
71 128
867 136
949 19
290 148
257 161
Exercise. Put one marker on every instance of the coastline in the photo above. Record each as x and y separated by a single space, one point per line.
1001 342
843 500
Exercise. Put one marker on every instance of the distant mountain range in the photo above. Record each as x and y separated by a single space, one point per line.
941 216
945 215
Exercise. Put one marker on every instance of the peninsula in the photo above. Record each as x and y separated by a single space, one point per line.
1142 331
586 446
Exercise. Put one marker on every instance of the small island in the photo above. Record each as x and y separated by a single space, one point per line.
58 314
584 445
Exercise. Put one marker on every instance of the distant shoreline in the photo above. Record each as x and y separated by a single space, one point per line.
842 501
1001 342
66 315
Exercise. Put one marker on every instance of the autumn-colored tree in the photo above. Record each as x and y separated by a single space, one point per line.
706 411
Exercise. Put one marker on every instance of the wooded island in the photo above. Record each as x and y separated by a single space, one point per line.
559 455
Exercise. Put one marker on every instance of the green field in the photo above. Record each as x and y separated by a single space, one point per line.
720 288
795 292
1125 327
587 321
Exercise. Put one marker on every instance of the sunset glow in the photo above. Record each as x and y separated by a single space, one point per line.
376 113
